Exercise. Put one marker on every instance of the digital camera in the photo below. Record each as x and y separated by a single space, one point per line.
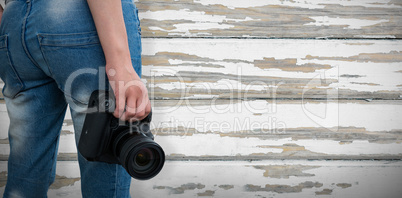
105 138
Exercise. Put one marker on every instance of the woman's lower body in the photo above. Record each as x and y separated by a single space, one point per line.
50 57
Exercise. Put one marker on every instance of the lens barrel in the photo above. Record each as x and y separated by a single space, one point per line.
142 157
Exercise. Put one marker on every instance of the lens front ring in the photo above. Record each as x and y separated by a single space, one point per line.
130 149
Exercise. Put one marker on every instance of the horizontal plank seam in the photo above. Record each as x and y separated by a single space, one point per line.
267 38
284 99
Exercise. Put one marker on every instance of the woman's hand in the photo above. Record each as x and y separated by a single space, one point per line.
132 102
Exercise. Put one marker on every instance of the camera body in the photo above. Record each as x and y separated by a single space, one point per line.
105 138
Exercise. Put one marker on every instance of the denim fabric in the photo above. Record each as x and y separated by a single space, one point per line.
51 57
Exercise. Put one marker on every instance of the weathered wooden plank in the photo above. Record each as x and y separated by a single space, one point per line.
264 129
230 68
251 179
271 18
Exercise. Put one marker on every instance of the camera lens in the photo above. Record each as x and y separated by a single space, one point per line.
144 158
139 155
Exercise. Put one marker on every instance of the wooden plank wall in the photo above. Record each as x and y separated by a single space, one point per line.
271 80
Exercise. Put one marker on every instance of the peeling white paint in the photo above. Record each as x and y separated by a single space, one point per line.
237 58
276 114
187 14
223 84
4 149
214 145
186 28
375 36
184 19
169 86
365 179
257 3
309 4
349 22
382 179
202 21
274 118
197 96
256 49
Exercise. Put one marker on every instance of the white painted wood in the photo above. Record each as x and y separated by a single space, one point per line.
271 18
310 4
268 129
270 178
193 68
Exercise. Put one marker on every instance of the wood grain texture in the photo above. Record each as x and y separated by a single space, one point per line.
295 69
271 18
264 129
269 178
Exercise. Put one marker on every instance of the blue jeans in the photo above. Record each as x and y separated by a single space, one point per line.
50 56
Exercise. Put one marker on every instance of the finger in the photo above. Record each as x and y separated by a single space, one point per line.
120 106
142 102
143 112
130 112
147 110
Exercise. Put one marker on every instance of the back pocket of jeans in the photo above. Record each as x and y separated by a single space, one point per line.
13 84
66 40
73 61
